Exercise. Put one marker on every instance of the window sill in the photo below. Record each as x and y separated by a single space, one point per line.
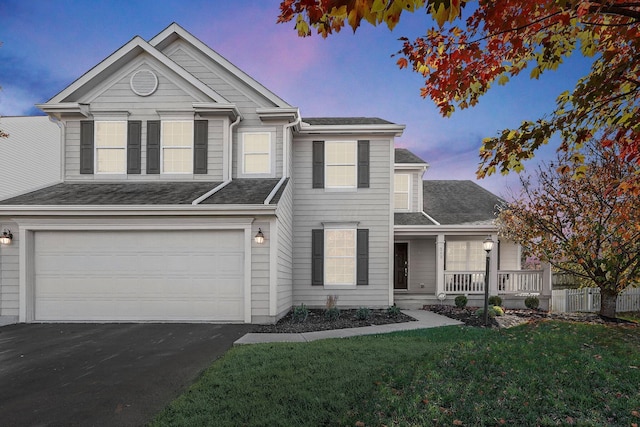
340 287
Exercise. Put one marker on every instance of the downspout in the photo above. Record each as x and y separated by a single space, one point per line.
286 143
63 134
230 154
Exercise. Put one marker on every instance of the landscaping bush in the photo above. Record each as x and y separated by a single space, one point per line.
393 311
461 301
495 300
499 311
300 313
532 302
332 313
492 312
363 313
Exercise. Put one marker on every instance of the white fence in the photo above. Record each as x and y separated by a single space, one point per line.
588 299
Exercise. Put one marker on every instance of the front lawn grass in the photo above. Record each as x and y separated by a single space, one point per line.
547 373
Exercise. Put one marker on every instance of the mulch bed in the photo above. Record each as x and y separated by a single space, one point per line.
316 321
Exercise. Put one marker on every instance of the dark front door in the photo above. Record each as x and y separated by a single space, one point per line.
401 266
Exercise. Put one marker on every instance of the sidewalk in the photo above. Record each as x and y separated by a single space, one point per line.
424 319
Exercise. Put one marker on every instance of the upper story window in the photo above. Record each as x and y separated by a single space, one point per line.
256 153
465 256
177 146
341 165
111 147
401 191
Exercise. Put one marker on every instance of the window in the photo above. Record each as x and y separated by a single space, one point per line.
465 256
401 184
177 146
111 146
256 152
340 257
341 164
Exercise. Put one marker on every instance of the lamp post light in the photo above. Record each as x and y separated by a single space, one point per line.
487 245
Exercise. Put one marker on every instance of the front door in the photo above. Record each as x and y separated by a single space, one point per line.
401 266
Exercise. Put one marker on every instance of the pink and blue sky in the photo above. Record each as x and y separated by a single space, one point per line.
48 44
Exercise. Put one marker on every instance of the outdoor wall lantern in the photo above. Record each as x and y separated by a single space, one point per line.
6 237
259 237
487 245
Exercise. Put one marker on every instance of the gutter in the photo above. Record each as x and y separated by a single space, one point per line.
230 143
274 191
287 142
210 192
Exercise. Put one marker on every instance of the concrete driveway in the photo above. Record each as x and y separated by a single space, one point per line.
102 374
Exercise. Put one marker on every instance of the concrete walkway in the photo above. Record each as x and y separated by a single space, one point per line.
424 319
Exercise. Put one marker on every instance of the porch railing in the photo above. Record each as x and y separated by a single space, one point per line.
519 281
464 282
509 282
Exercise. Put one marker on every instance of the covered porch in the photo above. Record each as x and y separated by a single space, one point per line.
434 264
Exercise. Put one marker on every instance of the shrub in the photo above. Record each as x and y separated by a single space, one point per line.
300 313
332 313
495 300
393 311
363 313
492 312
461 301
532 302
499 311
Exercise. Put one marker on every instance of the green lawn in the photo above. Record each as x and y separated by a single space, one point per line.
545 374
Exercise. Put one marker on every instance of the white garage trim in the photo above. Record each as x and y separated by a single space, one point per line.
28 227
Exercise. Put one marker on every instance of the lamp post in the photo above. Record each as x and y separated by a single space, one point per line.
487 245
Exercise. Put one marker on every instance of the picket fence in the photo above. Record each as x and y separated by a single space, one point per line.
588 299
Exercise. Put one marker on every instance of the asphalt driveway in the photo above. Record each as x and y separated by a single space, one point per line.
102 374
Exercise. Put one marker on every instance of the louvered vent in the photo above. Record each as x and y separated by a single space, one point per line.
144 82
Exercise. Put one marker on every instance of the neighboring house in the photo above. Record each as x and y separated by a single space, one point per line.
192 193
30 154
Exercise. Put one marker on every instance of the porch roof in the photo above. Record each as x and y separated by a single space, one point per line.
453 202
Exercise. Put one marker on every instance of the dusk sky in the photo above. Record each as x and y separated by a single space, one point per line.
49 44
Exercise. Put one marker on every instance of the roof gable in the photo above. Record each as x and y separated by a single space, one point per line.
175 32
459 202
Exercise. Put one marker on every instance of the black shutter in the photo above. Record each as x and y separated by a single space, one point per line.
362 267
86 147
153 146
134 146
200 143
317 257
363 164
318 164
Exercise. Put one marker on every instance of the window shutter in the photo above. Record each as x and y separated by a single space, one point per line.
317 257
363 164
153 147
86 147
318 164
362 257
200 144
134 137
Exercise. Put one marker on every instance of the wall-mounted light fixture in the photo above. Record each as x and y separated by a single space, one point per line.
259 237
6 237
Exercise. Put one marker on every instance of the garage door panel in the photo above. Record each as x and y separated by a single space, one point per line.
137 275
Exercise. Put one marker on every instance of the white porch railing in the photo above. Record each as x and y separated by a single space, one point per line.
509 282
464 282
520 281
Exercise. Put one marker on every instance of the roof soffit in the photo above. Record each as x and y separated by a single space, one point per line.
175 32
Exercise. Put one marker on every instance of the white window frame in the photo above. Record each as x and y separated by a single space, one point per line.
327 144
353 256
163 145
408 192
96 148
269 153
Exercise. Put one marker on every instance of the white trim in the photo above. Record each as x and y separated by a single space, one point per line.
391 240
355 165
274 191
392 129
136 210
269 153
430 218
247 273
273 266
210 193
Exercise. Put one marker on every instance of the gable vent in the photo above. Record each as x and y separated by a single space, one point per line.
144 82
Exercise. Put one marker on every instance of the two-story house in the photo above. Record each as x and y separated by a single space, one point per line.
190 192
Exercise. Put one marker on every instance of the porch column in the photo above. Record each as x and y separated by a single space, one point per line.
493 267
439 264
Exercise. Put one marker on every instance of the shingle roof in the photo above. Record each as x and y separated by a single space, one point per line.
341 121
459 202
411 218
405 156
240 191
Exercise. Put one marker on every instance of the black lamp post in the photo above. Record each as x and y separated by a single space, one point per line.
487 246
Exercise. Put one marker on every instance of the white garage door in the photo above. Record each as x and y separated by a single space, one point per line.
139 276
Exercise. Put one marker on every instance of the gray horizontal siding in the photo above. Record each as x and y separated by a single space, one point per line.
260 273
422 266
370 207
285 250
9 273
